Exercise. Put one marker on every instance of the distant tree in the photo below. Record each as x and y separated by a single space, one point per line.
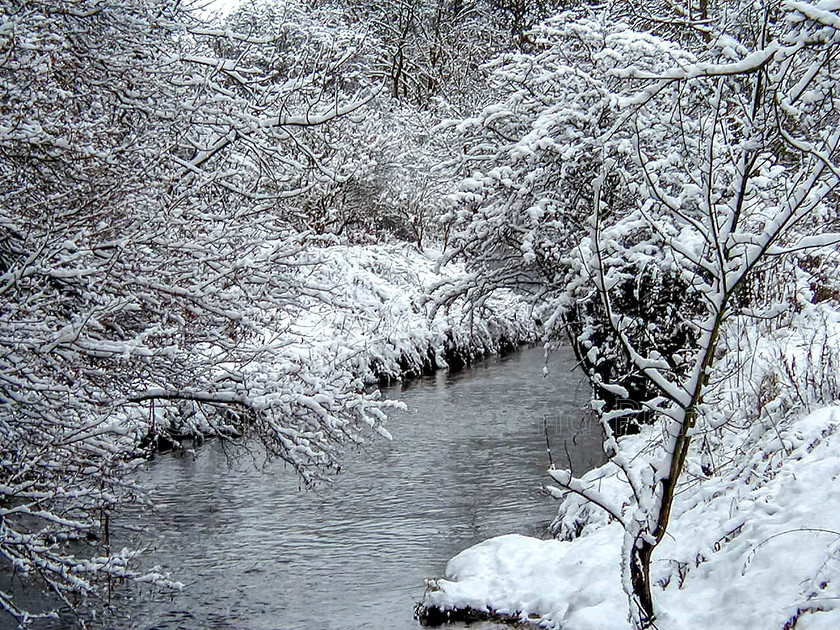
520 16
429 52
368 175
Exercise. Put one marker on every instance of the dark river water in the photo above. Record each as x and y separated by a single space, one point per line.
465 464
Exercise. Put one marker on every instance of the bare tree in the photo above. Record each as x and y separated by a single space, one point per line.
634 184
754 172
150 277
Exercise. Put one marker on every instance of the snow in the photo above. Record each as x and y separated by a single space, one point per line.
820 12
783 556
753 541
556 579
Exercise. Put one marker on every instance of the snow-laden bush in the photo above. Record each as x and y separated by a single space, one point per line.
379 319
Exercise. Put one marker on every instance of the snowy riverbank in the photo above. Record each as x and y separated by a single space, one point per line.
360 318
284 342
754 541
377 318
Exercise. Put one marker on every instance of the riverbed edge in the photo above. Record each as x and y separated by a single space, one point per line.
435 616
380 332
753 542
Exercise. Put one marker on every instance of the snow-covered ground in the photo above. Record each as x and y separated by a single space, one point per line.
754 540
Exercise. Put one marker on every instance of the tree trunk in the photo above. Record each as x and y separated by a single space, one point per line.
642 553
640 579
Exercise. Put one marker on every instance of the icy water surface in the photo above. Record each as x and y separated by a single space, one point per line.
465 464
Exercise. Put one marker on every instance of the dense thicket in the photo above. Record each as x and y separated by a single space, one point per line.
167 184
152 263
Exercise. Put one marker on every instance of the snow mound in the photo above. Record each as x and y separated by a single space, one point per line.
762 550
553 582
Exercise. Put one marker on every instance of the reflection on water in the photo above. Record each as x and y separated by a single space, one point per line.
465 464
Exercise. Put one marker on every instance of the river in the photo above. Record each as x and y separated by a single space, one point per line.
465 464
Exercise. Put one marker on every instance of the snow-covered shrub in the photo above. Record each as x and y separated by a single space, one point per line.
518 219
379 319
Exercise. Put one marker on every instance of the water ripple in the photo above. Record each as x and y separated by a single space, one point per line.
257 553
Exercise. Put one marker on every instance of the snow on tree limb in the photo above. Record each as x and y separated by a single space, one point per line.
676 176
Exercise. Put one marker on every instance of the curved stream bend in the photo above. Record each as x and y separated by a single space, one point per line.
465 464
